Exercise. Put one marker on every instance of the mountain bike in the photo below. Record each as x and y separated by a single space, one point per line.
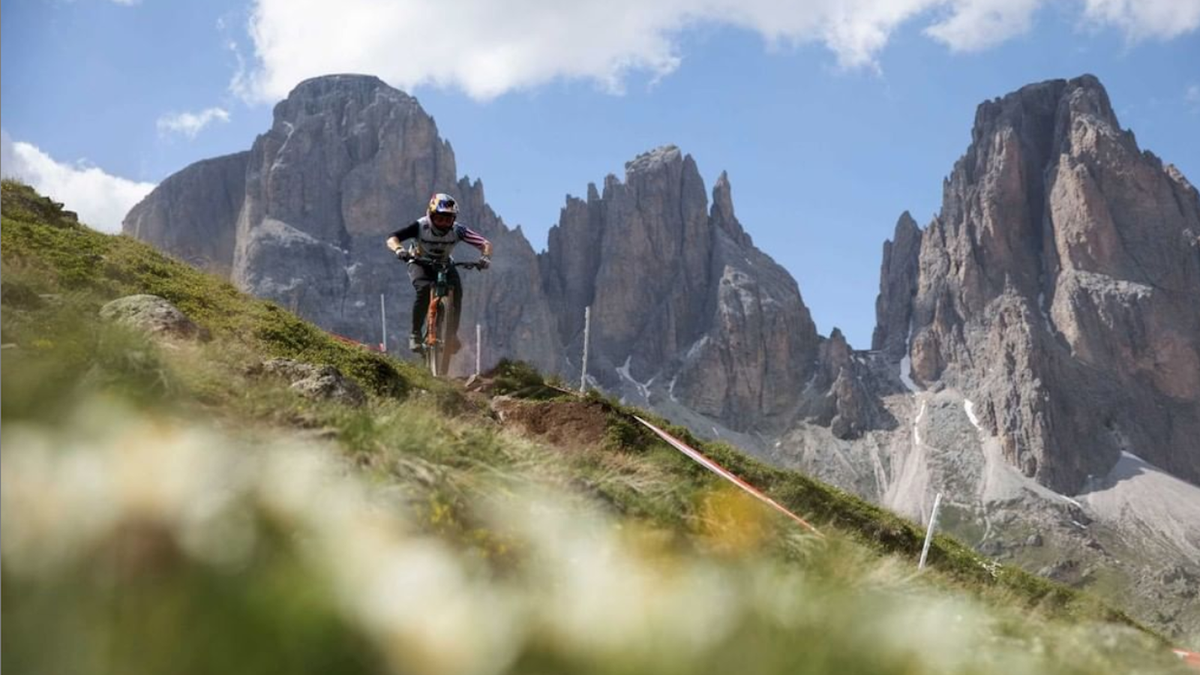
441 303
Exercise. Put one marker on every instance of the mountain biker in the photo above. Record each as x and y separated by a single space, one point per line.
434 237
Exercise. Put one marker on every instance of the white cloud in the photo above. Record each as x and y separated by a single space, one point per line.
188 123
1146 19
487 48
1192 97
100 199
976 25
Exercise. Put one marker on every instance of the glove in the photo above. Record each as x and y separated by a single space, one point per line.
485 262
403 254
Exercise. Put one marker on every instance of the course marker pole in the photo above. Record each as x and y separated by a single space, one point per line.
937 503
383 325
587 325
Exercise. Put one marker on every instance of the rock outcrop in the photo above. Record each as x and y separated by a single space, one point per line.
193 213
1058 289
897 287
153 316
323 382
679 296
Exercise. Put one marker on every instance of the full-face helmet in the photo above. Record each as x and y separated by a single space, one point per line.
442 211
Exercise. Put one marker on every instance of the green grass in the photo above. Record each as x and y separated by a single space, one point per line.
46 252
530 534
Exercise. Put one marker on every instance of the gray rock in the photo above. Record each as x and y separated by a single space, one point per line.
1034 539
192 214
322 382
680 296
1057 289
153 315
897 288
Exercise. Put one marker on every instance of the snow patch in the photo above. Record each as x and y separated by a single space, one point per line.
969 407
271 286
623 371
1129 455
284 233
906 362
671 389
906 374
694 350
291 128
1045 316
916 427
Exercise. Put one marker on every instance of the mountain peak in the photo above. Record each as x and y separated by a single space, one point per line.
722 213
654 160
1058 247
335 92
343 82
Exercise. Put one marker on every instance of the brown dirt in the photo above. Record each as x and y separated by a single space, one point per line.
564 423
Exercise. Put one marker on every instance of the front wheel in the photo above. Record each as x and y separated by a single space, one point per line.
437 357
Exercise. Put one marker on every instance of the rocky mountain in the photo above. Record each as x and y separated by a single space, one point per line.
1038 344
1059 288
680 296
194 212
897 286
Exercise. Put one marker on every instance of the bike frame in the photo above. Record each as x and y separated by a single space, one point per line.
441 301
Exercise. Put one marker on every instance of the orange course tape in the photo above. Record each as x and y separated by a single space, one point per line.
1190 658
726 474
356 343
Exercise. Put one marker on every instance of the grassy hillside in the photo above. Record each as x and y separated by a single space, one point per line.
167 508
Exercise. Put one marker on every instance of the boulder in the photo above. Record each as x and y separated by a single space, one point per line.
320 382
152 315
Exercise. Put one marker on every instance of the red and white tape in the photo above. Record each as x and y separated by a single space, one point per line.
345 340
1190 658
726 474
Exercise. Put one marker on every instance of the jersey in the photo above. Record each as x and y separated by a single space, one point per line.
431 243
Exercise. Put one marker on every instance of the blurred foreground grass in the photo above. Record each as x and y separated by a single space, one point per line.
165 511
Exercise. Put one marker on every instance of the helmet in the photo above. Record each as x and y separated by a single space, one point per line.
444 204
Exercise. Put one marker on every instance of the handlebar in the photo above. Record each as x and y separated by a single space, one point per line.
444 262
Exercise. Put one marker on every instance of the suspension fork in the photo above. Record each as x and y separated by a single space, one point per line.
431 331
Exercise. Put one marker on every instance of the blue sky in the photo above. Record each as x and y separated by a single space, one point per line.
831 118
